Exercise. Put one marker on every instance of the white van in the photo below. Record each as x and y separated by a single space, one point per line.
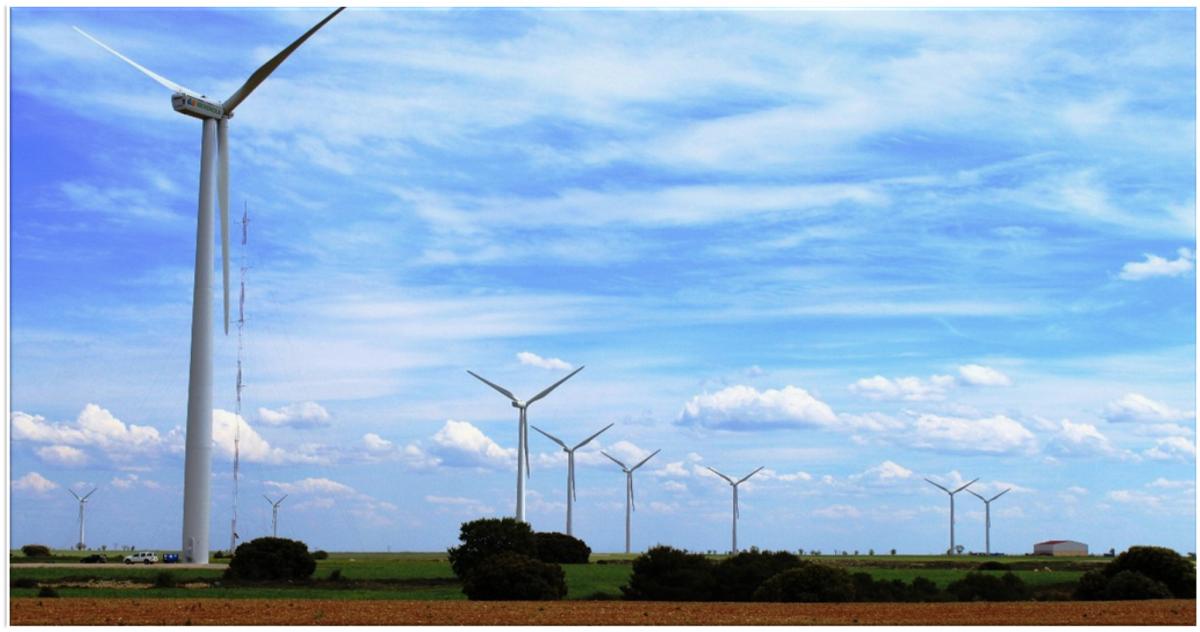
142 557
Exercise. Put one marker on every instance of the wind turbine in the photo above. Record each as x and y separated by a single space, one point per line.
274 514
987 517
82 503
523 434
629 488
570 465
215 115
735 499
952 493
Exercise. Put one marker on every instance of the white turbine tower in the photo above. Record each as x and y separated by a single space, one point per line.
987 517
629 489
275 514
82 504
523 432
215 115
570 465
952 493
735 499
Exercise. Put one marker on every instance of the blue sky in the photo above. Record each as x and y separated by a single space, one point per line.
858 248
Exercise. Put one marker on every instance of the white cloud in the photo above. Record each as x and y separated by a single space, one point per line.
1135 407
1163 483
673 469
299 415
903 388
837 512
129 481
533 359
674 486
1079 439
252 447
1155 266
460 444
62 455
977 375
460 505
94 427
1172 448
314 486
745 408
376 443
885 473
34 482
991 435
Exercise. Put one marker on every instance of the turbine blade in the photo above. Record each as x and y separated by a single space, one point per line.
937 486
526 448
610 458
73 493
268 499
727 479
643 461
553 386
163 81
503 391
998 495
965 486
629 479
281 499
223 199
589 439
743 480
550 436
90 493
972 492
266 69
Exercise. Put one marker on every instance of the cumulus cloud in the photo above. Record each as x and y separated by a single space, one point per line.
533 359
34 482
460 505
746 408
94 427
376 443
837 512
1079 439
978 375
62 455
322 486
252 447
129 481
299 415
911 389
1172 448
1135 407
460 444
885 473
990 435
1155 266
674 469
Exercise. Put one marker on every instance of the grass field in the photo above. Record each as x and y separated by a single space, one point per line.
427 576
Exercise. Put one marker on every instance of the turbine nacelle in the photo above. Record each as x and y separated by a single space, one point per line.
519 404
197 107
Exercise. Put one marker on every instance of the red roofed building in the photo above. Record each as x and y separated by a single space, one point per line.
1060 547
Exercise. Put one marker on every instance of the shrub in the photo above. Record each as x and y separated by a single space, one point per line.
486 537
320 555
993 565
665 573
560 548
808 583
35 550
511 575
739 576
271 558
164 579
984 587
1134 585
924 589
24 582
95 559
1160 564
1091 586
48 592
335 575
219 555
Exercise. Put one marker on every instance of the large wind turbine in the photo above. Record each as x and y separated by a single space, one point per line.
570 465
952 493
629 488
82 503
987 517
275 514
735 499
215 115
523 433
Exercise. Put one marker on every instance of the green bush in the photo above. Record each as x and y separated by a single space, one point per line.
320 555
1161 564
335 575
808 583
165 579
739 576
1134 585
48 592
512 576
24 582
984 587
924 589
271 559
665 573
35 550
993 565
560 548
1091 586
486 537
95 559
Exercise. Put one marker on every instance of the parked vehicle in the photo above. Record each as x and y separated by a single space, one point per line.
170 558
142 557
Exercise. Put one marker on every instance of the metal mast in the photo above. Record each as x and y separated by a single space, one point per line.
237 419
951 551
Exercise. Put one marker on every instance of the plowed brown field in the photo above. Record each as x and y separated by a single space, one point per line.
33 611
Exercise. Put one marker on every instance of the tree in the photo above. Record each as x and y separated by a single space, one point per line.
1158 563
514 576
808 583
665 573
486 537
560 548
271 559
739 576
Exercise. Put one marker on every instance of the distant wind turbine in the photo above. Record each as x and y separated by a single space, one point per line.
734 549
987 517
215 115
629 488
275 514
523 432
952 493
82 504
570 465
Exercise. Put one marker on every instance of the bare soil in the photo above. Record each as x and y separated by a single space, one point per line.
34 611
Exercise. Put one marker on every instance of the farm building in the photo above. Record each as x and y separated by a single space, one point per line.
1060 547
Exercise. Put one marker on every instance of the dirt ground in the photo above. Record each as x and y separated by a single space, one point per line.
34 611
